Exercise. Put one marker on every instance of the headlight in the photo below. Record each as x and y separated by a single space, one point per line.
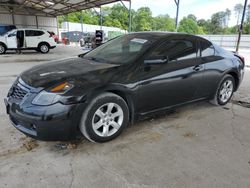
45 98
52 96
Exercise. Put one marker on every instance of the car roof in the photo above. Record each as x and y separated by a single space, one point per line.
163 34
31 29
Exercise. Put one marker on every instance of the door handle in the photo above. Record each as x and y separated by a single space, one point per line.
197 67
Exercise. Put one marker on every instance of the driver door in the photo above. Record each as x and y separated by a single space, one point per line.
171 75
11 40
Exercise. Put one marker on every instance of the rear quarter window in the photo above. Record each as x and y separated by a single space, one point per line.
207 49
33 33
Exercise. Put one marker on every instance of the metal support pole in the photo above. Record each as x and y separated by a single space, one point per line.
57 27
241 26
13 18
67 26
130 17
81 22
177 2
36 22
101 19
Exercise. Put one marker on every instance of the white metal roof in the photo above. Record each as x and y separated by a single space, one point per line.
49 7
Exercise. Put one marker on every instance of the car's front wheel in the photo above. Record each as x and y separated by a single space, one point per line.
43 48
105 118
224 91
2 49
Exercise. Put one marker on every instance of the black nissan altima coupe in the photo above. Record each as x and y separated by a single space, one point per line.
97 94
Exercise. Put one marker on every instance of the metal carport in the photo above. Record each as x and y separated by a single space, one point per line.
43 14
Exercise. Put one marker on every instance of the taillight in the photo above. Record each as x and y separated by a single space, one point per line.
50 34
242 59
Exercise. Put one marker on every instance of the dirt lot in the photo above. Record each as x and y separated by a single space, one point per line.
199 145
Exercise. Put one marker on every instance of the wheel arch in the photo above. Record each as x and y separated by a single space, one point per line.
125 94
128 99
43 42
4 45
236 78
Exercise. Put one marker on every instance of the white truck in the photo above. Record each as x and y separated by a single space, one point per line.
29 39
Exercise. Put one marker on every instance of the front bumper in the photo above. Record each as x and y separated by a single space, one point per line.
56 122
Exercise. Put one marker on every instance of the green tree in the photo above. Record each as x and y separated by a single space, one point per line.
238 9
142 19
247 23
117 16
188 25
248 13
192 17
163 23
228 15
205 25
217 24
88 17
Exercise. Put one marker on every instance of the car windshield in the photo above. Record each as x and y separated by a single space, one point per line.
122 50
9 32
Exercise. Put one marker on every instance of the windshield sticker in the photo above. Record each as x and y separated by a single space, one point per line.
141 41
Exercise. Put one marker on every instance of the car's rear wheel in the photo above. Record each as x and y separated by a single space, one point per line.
43 48
224 91
105 118
2 49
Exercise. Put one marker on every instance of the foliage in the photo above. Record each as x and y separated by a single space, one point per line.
143 20
238 9
188 25
163 23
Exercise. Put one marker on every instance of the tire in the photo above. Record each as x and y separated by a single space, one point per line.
43 48
2 48
105 118
224 91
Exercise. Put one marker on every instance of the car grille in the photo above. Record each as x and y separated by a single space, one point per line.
18 91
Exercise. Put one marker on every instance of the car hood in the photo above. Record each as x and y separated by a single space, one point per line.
68 69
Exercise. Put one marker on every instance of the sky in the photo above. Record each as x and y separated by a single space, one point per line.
200 8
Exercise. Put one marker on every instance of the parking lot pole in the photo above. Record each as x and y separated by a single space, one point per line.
81 22
67 16
241 26
101 19
130 17
177 2
13 19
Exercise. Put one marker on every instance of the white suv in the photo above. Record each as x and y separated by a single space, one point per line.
36 39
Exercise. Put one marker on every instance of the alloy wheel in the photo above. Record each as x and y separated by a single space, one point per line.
44 48
226 91
2 49
107 119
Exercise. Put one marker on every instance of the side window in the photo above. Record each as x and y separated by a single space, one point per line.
29 33
175 49
33 33
207 49
39 33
